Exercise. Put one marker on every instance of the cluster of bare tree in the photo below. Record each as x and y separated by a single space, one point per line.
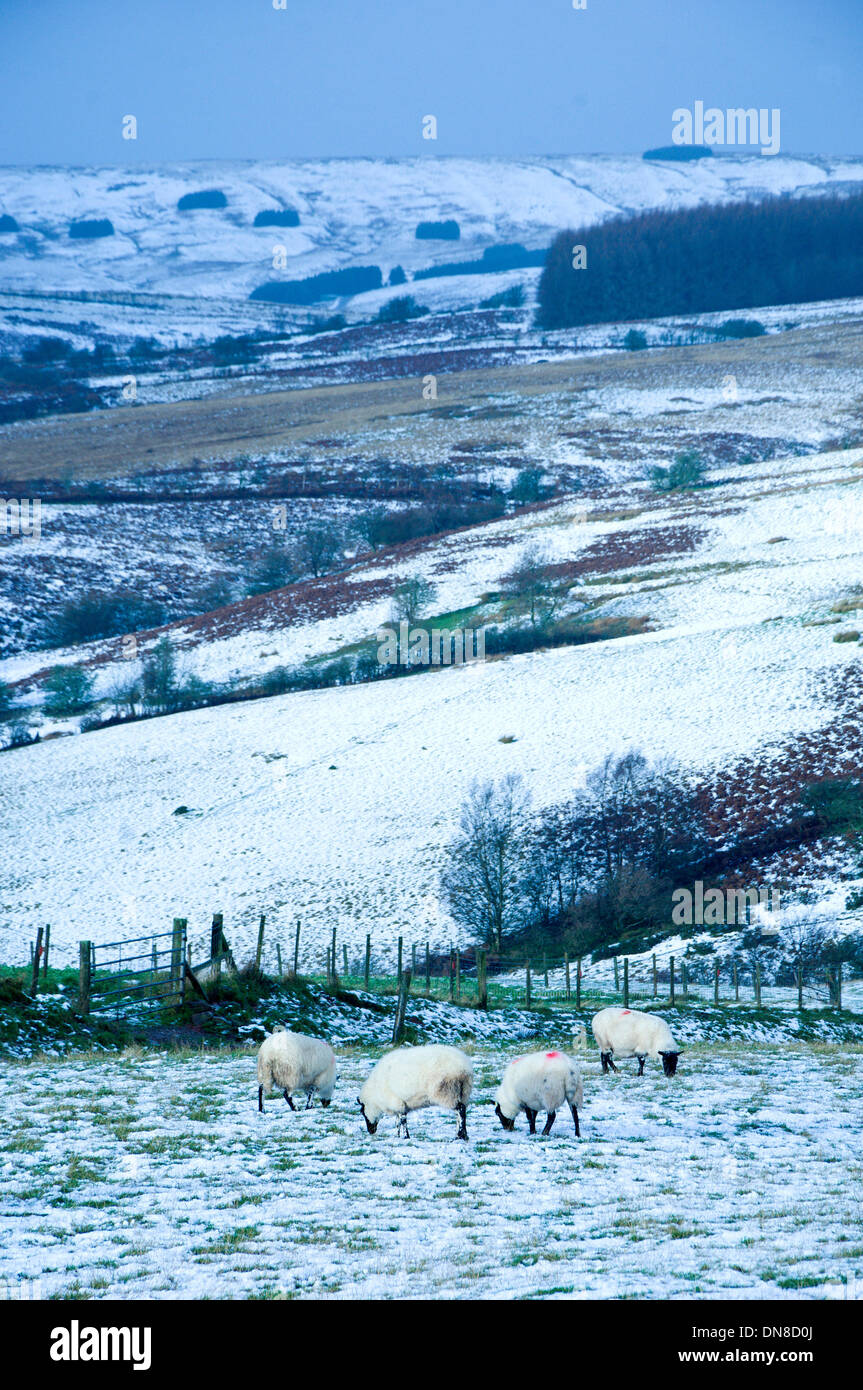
311 552
588 871
601 868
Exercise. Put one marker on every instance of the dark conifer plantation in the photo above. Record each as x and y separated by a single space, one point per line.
720 256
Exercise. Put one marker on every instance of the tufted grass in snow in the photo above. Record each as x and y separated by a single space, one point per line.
155 1177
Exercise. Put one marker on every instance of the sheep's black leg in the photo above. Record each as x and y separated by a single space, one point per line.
462 1115
260 1097
642 1058
552 1114
531 1119
611 1062
290 1102
604 1059
574 1109
309 1100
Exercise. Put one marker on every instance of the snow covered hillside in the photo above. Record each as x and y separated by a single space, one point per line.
352 212
333 805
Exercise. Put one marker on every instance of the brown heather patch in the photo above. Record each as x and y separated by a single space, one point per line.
762 791
627 550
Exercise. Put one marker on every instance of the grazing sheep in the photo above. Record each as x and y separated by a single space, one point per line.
630 1033
411 1078
292 1062
539 1081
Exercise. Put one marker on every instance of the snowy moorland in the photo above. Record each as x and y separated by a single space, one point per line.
349 209
154 1176
333 805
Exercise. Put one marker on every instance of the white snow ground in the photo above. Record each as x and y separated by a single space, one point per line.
155 1177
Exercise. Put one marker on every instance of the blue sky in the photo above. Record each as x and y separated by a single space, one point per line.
238 79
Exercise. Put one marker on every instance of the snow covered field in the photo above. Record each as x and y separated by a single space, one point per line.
155 1177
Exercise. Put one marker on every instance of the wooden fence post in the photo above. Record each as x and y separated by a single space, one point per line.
401 950
545 968
616 977
333 975
685 980
626 982
758 984
566 972
177 971
368 961
260 948
458 974
216 941
84 958
578 973
345 957
736 975
401 1005
297 950
527 986
671 979
451 974
716 986
654 974
37 961
184 949
279 958
428 969
838 985
45 956
800 988
482 980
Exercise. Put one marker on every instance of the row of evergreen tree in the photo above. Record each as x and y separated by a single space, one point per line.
783 250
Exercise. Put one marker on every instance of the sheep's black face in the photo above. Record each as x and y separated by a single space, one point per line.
372 1128
507 1124
669 1062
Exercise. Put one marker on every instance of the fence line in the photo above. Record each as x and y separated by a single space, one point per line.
158 966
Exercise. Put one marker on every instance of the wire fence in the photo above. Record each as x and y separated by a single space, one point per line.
158 967
491 980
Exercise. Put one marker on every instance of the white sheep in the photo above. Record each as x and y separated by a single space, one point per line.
630 1033
539 1081
412 1078
292 1062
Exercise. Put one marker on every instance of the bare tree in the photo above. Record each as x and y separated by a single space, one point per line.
482 879
124 692
529 588
275 567
160 681
411 598
318 547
